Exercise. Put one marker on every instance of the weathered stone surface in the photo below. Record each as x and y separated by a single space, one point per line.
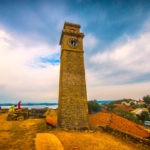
72 107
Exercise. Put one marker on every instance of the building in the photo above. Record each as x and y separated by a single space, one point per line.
130 102
138 111
72 105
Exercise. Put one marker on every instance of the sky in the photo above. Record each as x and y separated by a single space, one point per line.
116 48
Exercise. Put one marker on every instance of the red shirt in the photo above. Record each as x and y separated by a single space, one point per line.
19 105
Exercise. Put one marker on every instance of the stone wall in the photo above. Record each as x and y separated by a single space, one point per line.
72 109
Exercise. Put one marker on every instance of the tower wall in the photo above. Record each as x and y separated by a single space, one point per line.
72 106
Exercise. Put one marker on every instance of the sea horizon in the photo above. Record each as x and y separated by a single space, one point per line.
43 104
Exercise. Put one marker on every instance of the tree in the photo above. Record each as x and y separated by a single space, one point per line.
146 99
145 115
133 105
110 107
94 107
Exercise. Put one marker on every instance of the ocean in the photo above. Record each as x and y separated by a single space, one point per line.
32 105
43 105
104 101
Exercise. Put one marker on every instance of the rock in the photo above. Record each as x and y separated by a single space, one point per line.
51 121
47 141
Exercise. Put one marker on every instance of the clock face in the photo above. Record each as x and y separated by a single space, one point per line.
73 42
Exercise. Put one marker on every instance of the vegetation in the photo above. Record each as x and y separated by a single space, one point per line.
119 101
145 116
147 99
94 107
109 107
118 108
133 105
127 114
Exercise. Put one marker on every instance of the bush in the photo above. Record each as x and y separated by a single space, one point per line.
110 107
145 116
94 107
146 99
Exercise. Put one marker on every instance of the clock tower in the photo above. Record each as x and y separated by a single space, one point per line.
72 105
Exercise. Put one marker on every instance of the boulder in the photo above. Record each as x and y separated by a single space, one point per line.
51 121
47 141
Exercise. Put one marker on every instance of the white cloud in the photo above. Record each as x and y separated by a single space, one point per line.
96 89
125 60
121 70
18 77
22 77
90 41
116 92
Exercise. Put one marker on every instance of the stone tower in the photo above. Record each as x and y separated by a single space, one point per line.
72 106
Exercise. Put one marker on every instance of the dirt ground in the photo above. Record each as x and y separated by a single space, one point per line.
98 140
17 135
20 135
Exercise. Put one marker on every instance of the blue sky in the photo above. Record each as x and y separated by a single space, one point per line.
116 44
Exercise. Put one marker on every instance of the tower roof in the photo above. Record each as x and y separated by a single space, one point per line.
71 24
71 29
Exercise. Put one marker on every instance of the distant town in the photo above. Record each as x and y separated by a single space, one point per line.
137 111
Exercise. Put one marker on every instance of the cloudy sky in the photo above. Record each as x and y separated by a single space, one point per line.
116 45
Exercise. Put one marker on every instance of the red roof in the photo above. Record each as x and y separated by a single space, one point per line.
117 122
